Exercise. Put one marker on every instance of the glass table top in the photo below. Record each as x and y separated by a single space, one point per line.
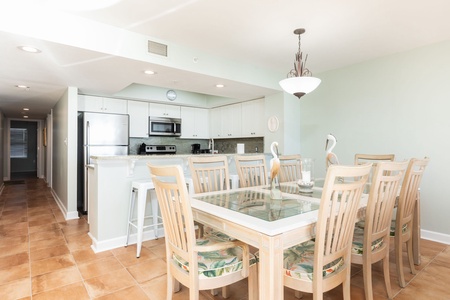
260 205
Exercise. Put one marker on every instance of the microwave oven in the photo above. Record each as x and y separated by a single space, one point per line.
164 126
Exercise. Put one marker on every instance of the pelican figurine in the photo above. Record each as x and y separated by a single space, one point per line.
274 162
331 158
274 169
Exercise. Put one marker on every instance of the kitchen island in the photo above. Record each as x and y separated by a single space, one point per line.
109 187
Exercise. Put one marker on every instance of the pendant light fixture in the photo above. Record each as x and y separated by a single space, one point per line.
299 80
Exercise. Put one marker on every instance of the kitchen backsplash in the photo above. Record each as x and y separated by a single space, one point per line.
226 146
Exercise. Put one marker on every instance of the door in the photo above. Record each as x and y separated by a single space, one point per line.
23 149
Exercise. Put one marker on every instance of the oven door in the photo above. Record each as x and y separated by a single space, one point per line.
164 126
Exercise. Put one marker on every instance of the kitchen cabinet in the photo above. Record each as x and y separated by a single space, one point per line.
226 121
194 122
231 119
102 104
164 110
253 118
215 122
138 112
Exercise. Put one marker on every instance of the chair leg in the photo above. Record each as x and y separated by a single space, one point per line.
399 261
409 247
367 276
387 279
225 292
345 287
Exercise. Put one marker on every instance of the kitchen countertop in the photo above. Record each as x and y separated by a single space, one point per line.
159 156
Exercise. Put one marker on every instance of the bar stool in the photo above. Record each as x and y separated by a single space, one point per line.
141 187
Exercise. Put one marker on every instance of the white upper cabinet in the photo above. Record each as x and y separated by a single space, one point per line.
101 104
138 112
215 122
231 120
226 121
164 110
253 118
194 122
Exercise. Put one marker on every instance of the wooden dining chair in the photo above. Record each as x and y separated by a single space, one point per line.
251 170
361 158
209 173
404 218
372 235
198 264
323 263
290 167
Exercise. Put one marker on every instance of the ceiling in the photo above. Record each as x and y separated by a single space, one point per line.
236 40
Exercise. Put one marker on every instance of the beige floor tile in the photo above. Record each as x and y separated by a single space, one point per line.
45 227
109 283
16 289
14 273
127 255
85 255
13 260
75 291
53 280
13 249
49 252
45 235
99 267
78 241
148 270
134 292
51 264
42 244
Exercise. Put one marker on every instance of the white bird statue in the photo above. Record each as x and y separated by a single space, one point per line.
274 162
274 169
331 158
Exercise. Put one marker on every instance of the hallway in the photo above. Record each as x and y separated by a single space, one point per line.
42 256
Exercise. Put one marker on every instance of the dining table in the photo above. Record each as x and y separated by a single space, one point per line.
270 224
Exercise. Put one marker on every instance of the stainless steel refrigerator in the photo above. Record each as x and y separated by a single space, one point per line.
98 134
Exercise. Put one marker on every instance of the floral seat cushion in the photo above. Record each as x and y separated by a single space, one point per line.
404 228
358 239
298 262
216 263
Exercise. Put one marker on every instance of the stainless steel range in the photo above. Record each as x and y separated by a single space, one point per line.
160 149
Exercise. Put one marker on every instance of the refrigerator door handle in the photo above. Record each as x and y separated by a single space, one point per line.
87 142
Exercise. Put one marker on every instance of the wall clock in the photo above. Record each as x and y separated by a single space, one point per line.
171 95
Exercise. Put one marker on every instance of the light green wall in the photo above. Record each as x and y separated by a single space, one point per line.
64 168
397 104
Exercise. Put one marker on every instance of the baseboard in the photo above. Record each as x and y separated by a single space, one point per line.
68 215
100 246
435 236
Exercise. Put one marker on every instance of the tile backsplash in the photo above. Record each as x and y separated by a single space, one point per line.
226 146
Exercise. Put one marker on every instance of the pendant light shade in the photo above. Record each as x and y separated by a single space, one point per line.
299 86
300 81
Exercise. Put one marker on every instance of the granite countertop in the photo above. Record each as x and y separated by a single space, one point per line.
153 156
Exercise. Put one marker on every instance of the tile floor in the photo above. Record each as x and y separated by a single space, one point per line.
42 256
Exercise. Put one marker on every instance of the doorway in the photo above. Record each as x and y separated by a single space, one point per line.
23 149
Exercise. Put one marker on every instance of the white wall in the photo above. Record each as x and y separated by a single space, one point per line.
64 169
397 104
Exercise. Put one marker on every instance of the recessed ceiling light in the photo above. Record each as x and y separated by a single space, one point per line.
220 85
25 117
149 72
29 49
26 108
22 87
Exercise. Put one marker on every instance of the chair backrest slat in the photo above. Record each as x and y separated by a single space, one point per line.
290 167
209 173
251 170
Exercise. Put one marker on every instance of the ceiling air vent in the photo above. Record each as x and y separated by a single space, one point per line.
157 48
